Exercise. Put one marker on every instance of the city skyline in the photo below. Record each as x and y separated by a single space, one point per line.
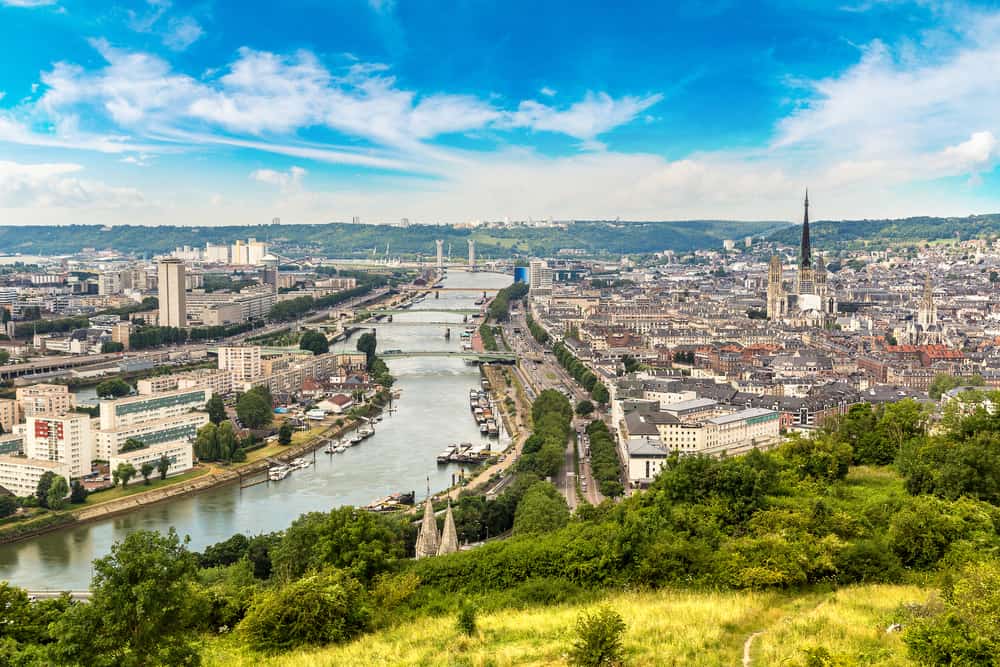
199 113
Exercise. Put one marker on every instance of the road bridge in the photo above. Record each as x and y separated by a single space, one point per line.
506 357
458 311
428 288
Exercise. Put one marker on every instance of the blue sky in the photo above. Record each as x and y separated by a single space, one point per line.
211 112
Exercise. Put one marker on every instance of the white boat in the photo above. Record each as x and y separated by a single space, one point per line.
301 463
341 449
278 473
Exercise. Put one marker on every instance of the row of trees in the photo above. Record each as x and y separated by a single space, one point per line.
544 451
499 310
604 461
536 330
488 337
145 337
581 374
293 309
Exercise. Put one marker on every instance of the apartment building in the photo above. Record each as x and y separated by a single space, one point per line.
66 439
47 399
243 362
179 454
139 409
10 414
20 476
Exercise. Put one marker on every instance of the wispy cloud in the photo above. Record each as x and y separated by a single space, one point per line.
176 32
27 3
594 115
286 181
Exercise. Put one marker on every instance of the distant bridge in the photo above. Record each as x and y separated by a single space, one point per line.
49 364
458 311
429 288
507 357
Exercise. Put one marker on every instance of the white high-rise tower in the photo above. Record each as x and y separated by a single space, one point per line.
440 253
472 255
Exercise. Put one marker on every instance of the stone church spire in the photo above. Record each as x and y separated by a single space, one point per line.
427 539
449 535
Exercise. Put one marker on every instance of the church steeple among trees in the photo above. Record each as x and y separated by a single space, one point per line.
805 259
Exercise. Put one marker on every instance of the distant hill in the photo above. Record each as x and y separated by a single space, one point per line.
828 234
343 239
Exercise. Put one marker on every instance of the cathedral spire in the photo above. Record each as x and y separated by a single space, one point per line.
805 259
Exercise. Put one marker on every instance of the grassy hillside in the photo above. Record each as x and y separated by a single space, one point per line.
664 628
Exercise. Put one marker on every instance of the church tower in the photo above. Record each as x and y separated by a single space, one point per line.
927 313
806 278
775 290
449 535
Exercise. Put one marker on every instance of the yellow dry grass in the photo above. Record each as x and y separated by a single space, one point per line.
664 628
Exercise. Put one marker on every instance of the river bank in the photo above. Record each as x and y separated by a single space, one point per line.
400 457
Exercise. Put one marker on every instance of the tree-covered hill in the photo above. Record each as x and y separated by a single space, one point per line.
342 239
828 234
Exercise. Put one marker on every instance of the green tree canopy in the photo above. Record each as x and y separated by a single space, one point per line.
216 409
542 510
58 490
254 410
114 388
367 343
315 342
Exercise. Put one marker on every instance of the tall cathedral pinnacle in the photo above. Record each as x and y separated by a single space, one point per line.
805 259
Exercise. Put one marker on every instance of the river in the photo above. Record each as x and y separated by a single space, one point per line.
432 412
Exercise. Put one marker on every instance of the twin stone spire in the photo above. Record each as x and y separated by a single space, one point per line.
429 543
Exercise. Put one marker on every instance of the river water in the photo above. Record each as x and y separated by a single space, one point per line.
433 411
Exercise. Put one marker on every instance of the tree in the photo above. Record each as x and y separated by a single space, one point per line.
206 443
8 505
56 496
216 409
146 470
109 346
131 445
542 510
4 354
162 466
600 393
77 492
114 388
367 343
584 408
125 471
254 410
42 489
285 434
315 342
145 608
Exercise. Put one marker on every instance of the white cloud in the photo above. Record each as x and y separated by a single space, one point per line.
285 181
56 185
548 92
177 33
589 118
382 6
27 3
182 32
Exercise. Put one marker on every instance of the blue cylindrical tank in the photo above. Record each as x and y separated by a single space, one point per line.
520 274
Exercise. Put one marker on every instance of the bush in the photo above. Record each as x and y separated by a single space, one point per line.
599 640
466 622
317 609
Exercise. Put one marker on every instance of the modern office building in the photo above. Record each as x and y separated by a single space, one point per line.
539 277
173 304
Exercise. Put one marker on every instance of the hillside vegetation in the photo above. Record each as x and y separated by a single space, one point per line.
854 233
340 239
663 628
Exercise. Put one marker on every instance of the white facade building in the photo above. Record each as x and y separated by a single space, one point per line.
65 439
179 454
20 476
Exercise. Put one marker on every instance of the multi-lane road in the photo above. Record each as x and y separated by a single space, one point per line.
540 370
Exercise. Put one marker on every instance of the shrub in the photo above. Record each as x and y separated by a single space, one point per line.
466 622
599 639
317 609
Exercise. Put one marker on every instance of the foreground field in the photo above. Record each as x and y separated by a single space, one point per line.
664 628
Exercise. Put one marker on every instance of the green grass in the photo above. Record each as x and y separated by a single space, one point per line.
664 628
138 487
